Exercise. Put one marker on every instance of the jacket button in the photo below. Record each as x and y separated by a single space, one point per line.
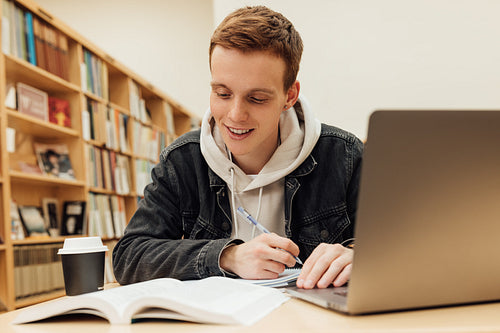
324 234
225 226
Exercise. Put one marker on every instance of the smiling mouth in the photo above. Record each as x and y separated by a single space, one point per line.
239 131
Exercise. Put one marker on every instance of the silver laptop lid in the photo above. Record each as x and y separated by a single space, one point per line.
428 221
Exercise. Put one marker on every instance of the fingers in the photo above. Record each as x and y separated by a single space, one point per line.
278 249
327 264
260 258
282 243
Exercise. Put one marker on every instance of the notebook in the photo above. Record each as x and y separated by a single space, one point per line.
428 220
285 279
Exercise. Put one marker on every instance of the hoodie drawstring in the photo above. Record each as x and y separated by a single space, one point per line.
258 211
234 208
233 203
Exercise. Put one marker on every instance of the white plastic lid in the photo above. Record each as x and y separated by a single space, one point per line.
82 245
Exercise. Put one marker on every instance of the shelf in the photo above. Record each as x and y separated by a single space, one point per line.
29 189
119 108
33 179
39 128
39 298
95 97
39 240
18 70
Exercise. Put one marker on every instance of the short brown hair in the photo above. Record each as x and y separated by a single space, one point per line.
259 28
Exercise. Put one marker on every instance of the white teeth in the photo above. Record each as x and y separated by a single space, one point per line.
237 131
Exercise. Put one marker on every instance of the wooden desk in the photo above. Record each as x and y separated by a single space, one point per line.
293 316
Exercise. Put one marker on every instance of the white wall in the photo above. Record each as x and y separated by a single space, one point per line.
359 55
164 41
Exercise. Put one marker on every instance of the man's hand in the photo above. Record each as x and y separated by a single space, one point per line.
327 264
261 258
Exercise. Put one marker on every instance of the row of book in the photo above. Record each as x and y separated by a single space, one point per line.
38 104
137 104
148 141
106 216
43 262
108 170
105 125
45 220
27 37
142 175
109 275
94 75
37 269
116 130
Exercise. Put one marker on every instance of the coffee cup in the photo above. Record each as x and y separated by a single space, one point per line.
83 264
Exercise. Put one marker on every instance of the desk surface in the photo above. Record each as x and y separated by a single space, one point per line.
293 316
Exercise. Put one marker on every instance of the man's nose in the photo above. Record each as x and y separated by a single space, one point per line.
239 112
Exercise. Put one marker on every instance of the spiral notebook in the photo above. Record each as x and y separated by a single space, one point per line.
285 279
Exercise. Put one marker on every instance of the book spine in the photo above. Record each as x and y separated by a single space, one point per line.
30 38
6 26
39 43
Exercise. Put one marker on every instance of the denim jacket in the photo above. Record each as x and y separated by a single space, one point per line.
184 221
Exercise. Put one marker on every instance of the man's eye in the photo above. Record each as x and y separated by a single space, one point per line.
222 95
257 100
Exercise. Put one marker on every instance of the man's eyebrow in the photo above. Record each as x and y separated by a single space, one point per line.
217 84
262 90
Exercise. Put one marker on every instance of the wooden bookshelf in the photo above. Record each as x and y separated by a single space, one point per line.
98 89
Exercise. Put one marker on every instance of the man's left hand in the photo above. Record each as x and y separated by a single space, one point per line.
328 264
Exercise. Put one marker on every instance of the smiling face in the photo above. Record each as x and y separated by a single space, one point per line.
246 102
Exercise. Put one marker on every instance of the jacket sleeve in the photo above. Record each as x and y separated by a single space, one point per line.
354 183
153 244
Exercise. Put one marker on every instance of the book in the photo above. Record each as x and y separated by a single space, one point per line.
59 112
39 43
30 38
16 230
51 215
53 159
6 24
32 101
37 269
215 300
74 218
20 35
32 219
10 96
62 55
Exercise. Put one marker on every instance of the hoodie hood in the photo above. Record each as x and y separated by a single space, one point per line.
299 132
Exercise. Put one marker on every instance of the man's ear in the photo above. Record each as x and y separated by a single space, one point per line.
292 95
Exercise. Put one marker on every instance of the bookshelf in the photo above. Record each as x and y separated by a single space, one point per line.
104 111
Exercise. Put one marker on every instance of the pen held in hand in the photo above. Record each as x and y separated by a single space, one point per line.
259 226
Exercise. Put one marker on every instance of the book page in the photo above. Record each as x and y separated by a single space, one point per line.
109 304
214 300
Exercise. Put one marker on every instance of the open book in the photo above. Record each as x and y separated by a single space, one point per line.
214 300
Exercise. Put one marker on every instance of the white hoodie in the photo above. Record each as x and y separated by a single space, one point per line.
262 195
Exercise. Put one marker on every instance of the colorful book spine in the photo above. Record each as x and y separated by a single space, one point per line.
30 38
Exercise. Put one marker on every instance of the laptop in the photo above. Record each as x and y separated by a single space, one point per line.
428 221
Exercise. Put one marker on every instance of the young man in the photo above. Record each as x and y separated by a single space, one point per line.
260 148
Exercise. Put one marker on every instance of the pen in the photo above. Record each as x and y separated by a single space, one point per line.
259 226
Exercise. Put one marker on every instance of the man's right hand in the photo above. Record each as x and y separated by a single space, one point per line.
261 258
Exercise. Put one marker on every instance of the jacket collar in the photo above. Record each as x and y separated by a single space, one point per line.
303 170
